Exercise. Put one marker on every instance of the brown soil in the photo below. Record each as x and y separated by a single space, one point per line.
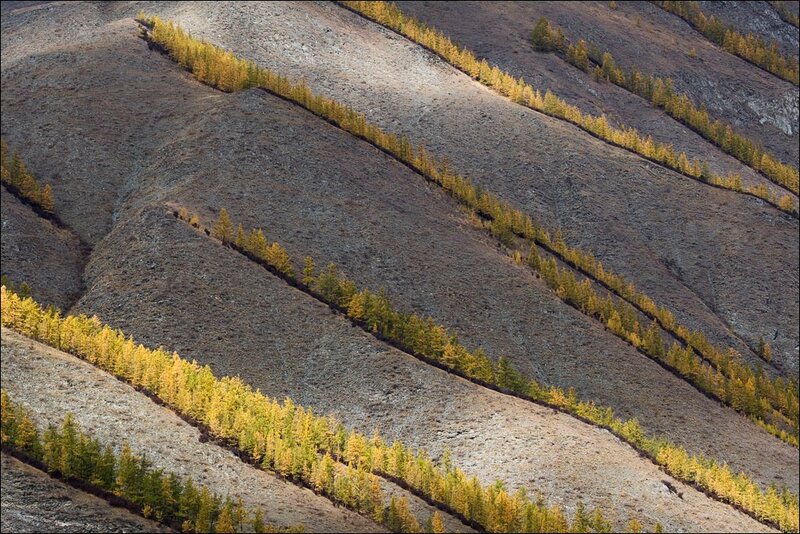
760 104
488 422
34 502
35 251
272 167
89 152
339 369
714 256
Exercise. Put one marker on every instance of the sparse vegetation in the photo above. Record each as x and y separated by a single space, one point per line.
748 47
284 437
148 159
164 497
679 106
785 13
19 180
728 380
422 336
519 91
545 38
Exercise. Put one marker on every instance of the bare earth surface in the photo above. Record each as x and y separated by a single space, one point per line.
321 192
113 409
328 364
34 502
50 384
752 17
273 166
35 251
714 256
501 33
760 104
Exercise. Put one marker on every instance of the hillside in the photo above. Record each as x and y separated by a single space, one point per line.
501 33
116 412
583 192
32 500
127 138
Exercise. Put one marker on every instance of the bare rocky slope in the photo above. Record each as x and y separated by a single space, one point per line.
321 192
341 370
48 258
759 19
270 168
759 103
319 208
657 228
34 502
501 33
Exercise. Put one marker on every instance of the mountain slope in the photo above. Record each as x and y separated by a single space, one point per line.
34 250
34 502
655 227
51 383
126 137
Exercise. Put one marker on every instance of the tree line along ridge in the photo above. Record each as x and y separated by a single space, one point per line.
19 180
749 47
658 91
521 92
152 493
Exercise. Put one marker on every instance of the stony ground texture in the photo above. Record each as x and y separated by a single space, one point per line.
115 412
320 192
35 251
724 262
762 105
34 502
501 33
751 17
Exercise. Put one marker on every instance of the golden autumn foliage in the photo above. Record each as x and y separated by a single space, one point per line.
20 180
679 106
521 92
782 394
161 496
748 47
282 436
423 336
504 220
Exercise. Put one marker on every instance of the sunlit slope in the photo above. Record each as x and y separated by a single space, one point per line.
51 383
495 317
33 501
710 255
501 33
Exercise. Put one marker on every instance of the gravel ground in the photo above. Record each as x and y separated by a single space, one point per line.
500 32
760 104
336 368
34 502
759 19
294 175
